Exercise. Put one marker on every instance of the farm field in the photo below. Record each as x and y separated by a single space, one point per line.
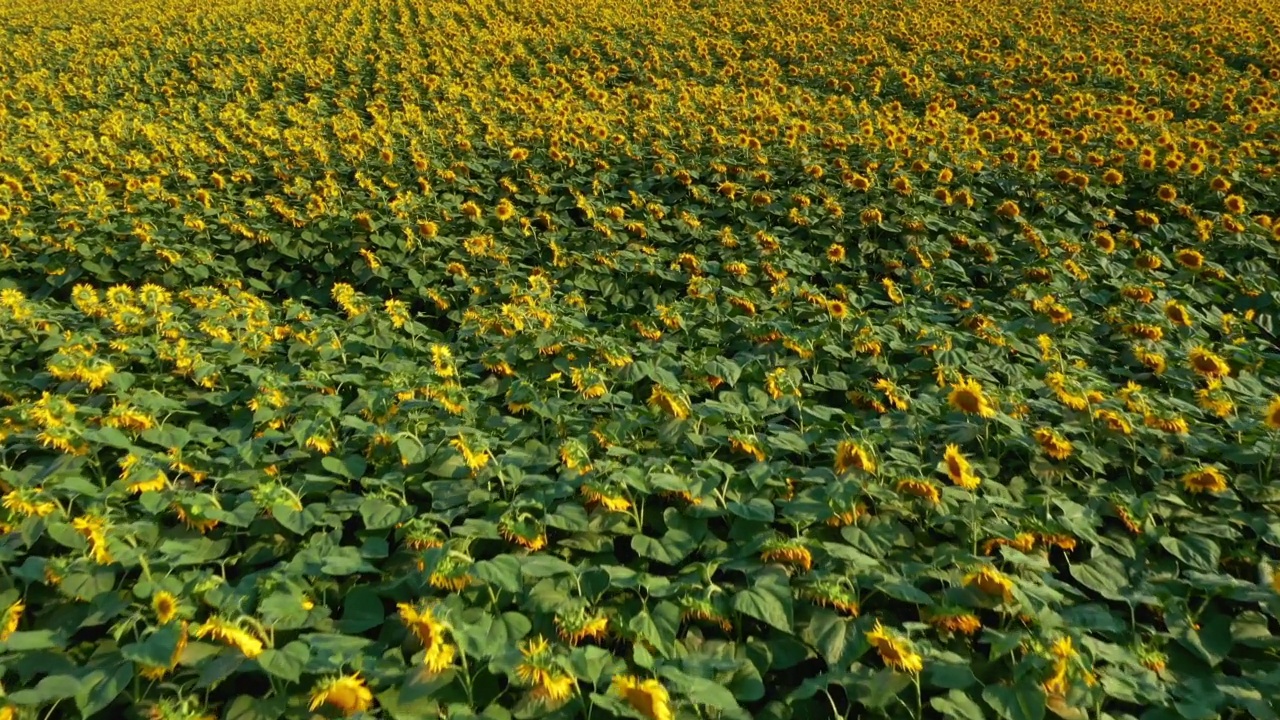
532 358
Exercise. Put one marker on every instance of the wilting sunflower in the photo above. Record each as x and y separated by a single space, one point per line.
967 397
833 593
1204 479
920 488
851 455
647 697
577 624
787 552
955 620
896 652
609 498
347 694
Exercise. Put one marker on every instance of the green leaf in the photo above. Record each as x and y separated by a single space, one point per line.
26 641
99 688
1024 701
1195 550
351 467
764 606
542 566
829 633
157 648
248 707
287 663
379 514
700 690
361 610
956 704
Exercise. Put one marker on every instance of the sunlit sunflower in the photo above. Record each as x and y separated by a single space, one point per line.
1053 444
232 635
431 632
991 582
165 605
895 651
347 694
850 455
1204 479
954 620
967 397
10 618
1271 416
1207 363
647 697
959 469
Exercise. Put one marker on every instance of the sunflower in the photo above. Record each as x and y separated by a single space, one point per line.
1190 259
1053 444
670 403
921 489
347 694
577 625
554 689
990 581
10 618
1207 364
834 594
1234 204
746 445
954 620
959 469
431 632
1204 479
1271 416
835 253
1177 313
837 309
647 697
165 605
851 455
894 651
787 552
967 397
704 610
609 498
231 635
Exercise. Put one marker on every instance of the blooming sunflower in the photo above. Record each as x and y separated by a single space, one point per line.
959 469
1207 363
851 455
647 697
896 652
967 397
165 605
1053 444
920 488
990 581
1271 416
232 635
10 618
347 694
431 631
1204 479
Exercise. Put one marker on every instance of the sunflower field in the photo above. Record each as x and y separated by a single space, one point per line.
597 359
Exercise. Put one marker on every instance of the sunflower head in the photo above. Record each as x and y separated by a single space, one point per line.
348 694
165 605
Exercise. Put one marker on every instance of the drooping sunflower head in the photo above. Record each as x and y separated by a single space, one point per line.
348 694
851 455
